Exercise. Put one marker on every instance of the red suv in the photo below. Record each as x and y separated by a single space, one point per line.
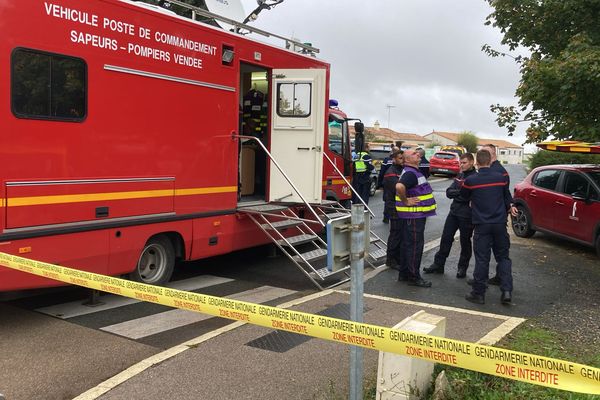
563 200
444 162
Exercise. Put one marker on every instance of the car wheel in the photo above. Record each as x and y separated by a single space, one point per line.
522 223
156 262
598 245
373 187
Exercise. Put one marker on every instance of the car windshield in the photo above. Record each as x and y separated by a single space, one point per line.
595 175
445 156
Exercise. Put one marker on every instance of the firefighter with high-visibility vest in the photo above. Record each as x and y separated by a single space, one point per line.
363 165
414 203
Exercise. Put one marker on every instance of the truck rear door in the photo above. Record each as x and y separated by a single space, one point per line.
297 134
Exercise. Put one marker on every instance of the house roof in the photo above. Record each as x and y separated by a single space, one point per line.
390 135
496 142
499 143
448 135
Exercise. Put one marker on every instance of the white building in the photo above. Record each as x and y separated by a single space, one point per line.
508 153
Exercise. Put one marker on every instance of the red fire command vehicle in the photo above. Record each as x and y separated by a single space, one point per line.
125 137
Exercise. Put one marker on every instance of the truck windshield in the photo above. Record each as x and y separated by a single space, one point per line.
338 135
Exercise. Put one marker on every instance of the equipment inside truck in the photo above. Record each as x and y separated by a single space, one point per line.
254 115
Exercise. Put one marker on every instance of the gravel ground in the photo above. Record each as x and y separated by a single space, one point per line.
576 308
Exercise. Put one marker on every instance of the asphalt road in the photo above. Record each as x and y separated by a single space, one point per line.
555 282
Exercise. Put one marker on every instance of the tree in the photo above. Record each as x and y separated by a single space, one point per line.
469 140
559 90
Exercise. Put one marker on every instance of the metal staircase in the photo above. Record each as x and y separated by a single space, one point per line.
304 246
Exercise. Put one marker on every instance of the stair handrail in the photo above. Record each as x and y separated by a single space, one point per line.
318 219
239 25
348 183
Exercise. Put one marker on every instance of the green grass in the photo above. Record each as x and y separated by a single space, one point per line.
527 338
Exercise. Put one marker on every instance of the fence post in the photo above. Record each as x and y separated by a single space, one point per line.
357 263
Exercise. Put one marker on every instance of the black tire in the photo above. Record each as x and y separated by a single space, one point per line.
156 262
598 245
373 187
521 224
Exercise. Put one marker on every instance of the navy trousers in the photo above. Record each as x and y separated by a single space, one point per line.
453 224
488 237
363 188
413 241
394 243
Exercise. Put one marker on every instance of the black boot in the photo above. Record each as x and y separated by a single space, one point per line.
475 298
420 283
461 273
434 269
506 297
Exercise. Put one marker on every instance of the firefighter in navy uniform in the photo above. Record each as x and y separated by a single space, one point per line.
459 218
390 179
385 165
497 167
414 203
363 165
490 203
424 163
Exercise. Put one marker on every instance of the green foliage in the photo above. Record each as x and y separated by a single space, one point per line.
469 140
544 157
559 91
433 144
528 338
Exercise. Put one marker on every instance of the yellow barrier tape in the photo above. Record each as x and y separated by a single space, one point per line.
543 371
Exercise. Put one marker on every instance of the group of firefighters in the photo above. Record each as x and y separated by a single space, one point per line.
481 202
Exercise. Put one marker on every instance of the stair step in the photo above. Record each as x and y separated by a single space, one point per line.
377 254
295 240
330 216
311 255
324 273
328 202
264 208
282 224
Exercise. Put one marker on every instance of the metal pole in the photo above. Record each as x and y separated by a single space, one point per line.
357 263
389 107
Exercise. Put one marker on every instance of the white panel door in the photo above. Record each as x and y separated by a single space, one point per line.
297 132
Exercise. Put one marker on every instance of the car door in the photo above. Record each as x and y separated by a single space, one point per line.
576 218
540 197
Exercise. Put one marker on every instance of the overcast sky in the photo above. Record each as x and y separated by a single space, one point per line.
421 56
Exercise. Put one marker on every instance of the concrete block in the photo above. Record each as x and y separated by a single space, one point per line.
406 378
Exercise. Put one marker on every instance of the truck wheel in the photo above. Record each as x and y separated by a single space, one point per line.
522 223
156 263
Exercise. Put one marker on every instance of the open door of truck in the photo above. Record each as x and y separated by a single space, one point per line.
297 134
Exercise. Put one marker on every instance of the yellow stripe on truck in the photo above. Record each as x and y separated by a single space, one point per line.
335 182
80 198
530 368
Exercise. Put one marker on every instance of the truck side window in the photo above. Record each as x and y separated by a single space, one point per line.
48 86
293 99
